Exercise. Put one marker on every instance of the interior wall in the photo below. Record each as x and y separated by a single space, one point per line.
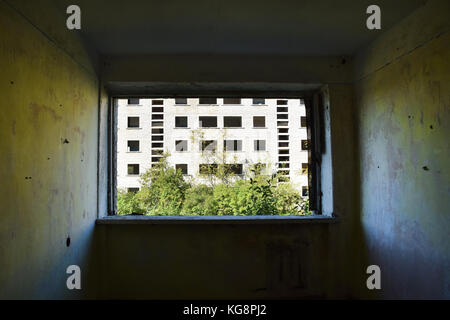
402 97
48 153
240 261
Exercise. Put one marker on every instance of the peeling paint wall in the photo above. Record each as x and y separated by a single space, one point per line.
48 153
402 95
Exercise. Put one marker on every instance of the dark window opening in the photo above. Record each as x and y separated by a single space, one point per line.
157 152
282 102
183 167
158 131
133 122
157 116
305 145
283 130
181 122
283 144
207 168
232 122
208 122
207 101
157 124
283 158
180 101
282 116
157 145
157 102
208 145
157 109
133 190
231 101
133 145
282 109
259 122
133 169
235 168
282 123
303 122
259 101
156 159
157 138
132 101
283 151
305 168
283 137
305 191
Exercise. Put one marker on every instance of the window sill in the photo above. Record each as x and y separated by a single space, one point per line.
142 219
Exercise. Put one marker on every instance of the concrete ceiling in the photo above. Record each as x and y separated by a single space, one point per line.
293 27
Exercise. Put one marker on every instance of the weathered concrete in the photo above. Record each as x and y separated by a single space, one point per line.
402 95
48 154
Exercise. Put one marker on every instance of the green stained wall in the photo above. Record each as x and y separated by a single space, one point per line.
402 94
49 95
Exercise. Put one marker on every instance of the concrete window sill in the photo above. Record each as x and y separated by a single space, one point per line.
141 219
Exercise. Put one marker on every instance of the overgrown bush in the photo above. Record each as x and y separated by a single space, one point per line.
165 192
199 201
128 203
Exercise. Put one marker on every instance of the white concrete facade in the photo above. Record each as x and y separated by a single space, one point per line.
282 132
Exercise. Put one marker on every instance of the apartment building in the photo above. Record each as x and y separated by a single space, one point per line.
198 132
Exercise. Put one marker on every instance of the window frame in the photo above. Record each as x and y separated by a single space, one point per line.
314 105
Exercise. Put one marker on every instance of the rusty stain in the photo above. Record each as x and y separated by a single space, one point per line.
36 109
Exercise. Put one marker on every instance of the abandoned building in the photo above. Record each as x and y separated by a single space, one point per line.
378 104
197 132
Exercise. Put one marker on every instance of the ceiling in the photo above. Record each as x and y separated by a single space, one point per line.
293 27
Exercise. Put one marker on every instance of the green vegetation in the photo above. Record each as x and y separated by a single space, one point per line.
165 192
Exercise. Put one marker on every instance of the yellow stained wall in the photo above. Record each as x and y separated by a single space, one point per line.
48 153
402 97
